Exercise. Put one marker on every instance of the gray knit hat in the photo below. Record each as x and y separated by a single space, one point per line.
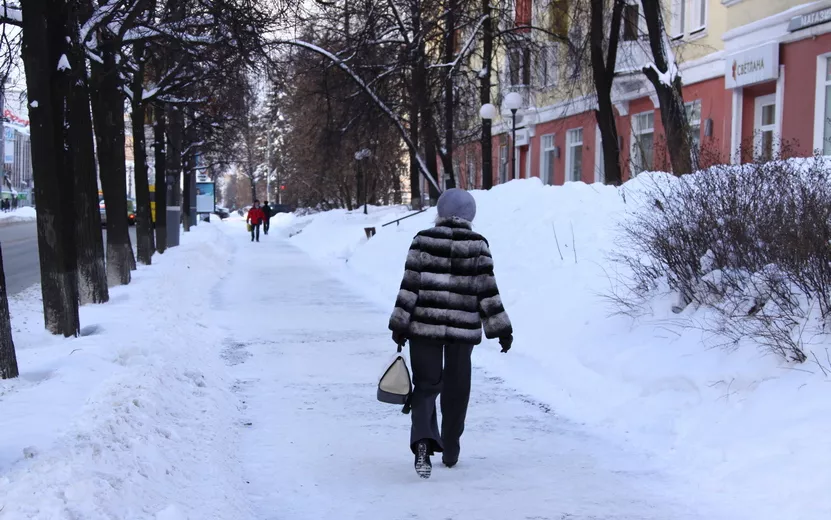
457 203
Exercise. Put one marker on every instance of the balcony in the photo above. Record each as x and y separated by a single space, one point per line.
633 55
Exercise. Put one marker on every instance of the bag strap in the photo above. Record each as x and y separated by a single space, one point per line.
399 348
407 404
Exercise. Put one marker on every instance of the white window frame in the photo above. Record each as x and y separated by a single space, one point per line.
546 147
685 18
694 122
634 148
599 165
548 57
639 29
503 163
819 102
759 103
572 143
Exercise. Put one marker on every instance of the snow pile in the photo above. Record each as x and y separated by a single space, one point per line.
135 418
739 425
344 230
27 214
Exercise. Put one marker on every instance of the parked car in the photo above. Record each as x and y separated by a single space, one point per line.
221 212
280 208
131 215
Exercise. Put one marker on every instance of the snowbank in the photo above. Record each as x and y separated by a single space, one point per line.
134 419
739 425
27 214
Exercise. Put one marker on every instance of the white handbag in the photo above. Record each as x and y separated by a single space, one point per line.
395 385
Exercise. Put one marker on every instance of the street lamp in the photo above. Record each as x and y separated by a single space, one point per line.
512 102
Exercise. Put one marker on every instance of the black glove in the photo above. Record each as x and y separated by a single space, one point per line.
399 338
506 342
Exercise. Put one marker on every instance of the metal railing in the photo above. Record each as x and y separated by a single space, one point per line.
397 221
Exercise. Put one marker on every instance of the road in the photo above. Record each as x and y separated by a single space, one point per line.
20 255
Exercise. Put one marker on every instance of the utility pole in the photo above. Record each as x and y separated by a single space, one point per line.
268 164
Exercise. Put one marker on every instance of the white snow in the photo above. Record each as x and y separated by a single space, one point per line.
307 350
33 104
236 381
63 63
135 419
27 214
743 428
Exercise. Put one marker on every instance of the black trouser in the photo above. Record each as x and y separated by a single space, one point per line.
266 225
452 382
255 228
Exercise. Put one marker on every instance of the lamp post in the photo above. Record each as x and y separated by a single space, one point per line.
512 102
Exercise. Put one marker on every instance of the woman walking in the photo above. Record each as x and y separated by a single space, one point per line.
448 295
255 219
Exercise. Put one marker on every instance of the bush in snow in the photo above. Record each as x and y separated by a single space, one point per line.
752 242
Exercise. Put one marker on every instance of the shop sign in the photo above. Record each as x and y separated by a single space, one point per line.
804 21
754 65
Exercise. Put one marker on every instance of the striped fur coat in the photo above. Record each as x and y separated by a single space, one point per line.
449 292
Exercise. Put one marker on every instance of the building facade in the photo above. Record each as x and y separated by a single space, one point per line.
17 161
756 82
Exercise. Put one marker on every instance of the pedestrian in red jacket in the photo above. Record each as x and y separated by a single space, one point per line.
255 218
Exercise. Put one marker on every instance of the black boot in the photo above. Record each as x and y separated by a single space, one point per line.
423 466
449 462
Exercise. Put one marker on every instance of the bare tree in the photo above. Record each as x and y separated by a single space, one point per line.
604 60
664 75
44 43
8 359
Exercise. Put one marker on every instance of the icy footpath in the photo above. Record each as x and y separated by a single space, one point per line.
306 352
135 419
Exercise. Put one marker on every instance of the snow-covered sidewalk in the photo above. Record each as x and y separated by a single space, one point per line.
306 350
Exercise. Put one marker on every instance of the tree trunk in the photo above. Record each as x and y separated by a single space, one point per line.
8 359
92 273
144 221
161 188
189 173
108 114
673 111
485 95
449 105
175 130
44 34
603 72
415 171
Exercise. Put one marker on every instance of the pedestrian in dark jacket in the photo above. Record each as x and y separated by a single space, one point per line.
255 218
448 295
267 214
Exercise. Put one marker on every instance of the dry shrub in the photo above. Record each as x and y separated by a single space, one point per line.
752 242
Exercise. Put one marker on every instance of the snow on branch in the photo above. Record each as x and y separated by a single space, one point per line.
672 73
468 45
380 104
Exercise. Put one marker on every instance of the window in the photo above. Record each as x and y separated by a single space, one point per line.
558 13
548 155
546 68
519 66
822 117
523 13
688 17
631 18
574 154
765 128
643 142
575 64
694 119
503 163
